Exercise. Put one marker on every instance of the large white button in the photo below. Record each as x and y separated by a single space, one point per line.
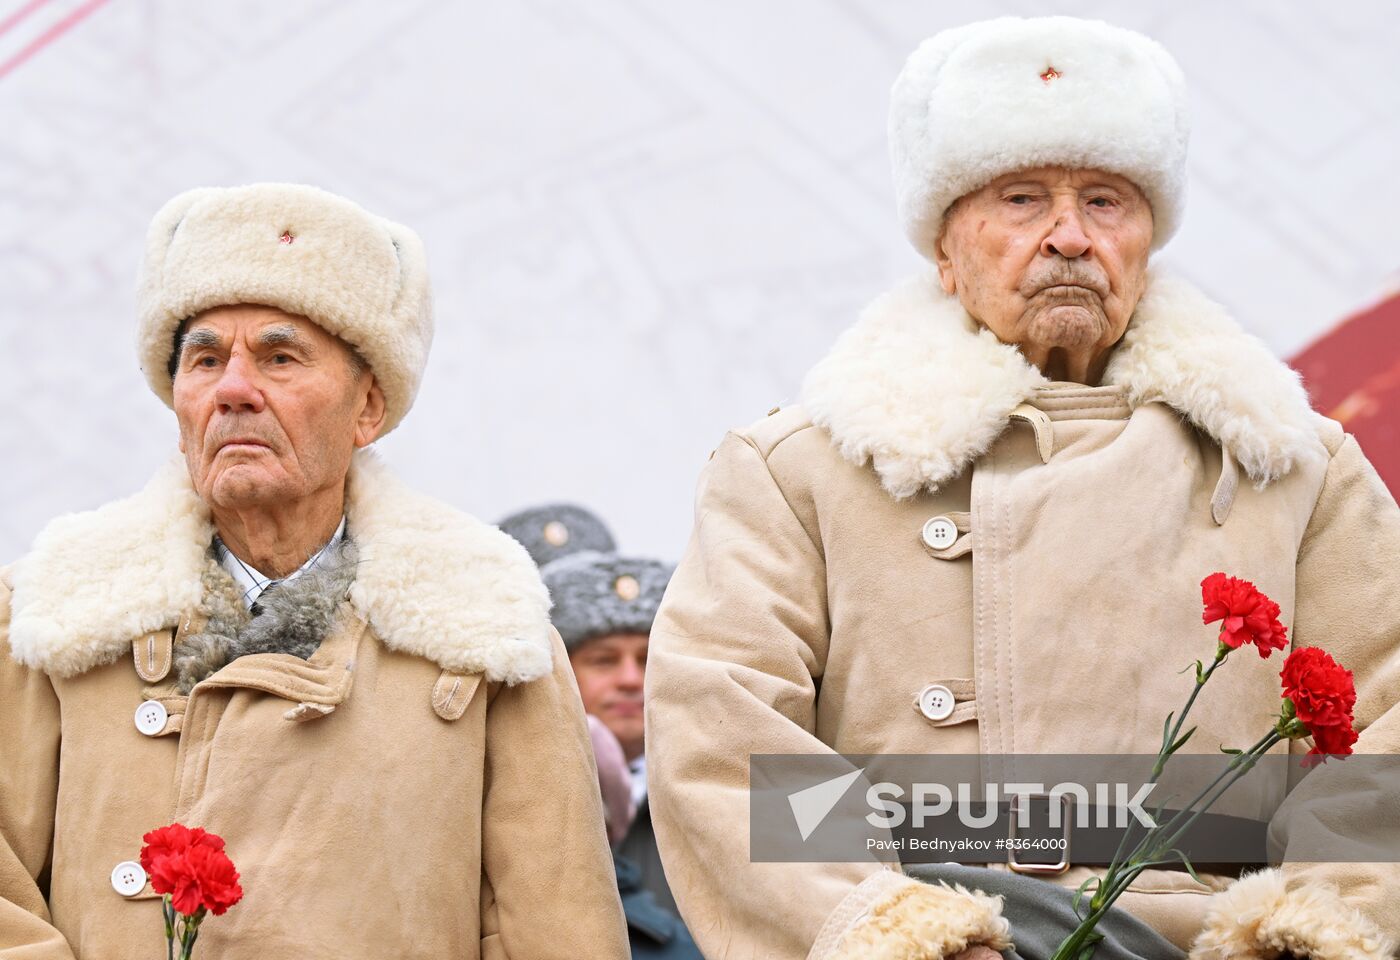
936 702
150 717
128 878
940 532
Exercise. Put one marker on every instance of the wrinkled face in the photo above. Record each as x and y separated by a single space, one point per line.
610 671
270 406
1050 259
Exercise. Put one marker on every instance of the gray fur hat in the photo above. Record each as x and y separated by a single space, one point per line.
555 530
596 594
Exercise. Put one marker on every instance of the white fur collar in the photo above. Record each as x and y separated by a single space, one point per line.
920 390
432 581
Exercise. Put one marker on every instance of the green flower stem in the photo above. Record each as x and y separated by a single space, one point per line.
1127 878
189 933
1150 850
1237 768
1235 763
1111 875
168 912
1074 943
1241 764
1221 652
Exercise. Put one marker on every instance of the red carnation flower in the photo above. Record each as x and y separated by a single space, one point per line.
1333 741
175 839
192 867
1247 615
1323 695
202 877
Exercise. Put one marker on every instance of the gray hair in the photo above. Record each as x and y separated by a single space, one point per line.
356 360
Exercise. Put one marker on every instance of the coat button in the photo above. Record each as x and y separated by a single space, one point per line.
150 717
936 702
128 878
940 532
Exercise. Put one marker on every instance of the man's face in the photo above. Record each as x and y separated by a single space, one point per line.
610 671
1053 260
270 407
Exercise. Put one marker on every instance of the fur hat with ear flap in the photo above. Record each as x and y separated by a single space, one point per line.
302 250
555 530
986 99
596 594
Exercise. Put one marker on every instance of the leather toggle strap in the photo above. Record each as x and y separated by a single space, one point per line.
1041 424
152 655
452 693
308 711
1225 488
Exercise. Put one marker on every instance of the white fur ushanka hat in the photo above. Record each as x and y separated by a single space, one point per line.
986 99
302 250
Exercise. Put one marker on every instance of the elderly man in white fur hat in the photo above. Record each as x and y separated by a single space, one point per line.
357 687
992 505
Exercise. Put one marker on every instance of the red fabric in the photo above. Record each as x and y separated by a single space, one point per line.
1353 375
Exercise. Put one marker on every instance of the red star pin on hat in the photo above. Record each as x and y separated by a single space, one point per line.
1050 74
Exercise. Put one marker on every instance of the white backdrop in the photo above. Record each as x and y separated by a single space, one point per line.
646 218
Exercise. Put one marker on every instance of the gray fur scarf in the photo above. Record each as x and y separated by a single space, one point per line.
294 616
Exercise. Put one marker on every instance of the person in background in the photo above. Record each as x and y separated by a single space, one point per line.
656 933
607 603
614 780
552 531
604 605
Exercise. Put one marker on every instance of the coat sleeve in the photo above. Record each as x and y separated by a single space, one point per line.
548 886
29 724
1347 602
735 652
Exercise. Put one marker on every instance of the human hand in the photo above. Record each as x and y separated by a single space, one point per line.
976 952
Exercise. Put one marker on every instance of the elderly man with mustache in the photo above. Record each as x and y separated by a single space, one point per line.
357 687
981 531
